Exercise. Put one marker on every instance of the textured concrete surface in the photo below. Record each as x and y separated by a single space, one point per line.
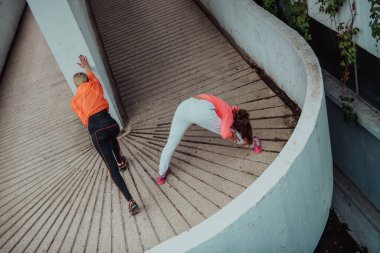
55 192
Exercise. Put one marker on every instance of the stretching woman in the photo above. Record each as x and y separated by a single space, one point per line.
215 115
92 108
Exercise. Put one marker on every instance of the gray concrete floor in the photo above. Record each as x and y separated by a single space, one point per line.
55 192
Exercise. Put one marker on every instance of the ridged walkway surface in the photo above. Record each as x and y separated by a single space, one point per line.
55 192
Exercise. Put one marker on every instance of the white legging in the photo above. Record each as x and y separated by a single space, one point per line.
191 111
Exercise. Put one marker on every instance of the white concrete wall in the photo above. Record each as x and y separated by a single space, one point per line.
360 164
286 208
10 15
67 29
364 38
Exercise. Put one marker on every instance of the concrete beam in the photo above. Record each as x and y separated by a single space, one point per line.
10 15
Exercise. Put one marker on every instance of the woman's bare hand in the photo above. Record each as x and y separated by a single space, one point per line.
84 63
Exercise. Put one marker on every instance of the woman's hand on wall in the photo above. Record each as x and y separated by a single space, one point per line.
84 63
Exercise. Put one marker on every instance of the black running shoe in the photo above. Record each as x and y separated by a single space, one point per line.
133 207
124 165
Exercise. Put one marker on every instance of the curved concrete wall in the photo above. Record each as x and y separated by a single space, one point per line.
286 208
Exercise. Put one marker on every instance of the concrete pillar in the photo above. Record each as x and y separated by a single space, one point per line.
68 30
10 14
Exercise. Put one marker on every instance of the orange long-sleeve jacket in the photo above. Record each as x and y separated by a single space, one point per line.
224 112
89 99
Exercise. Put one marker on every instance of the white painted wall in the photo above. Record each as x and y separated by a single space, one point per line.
364 38
10 15
68 32
286 208
361 164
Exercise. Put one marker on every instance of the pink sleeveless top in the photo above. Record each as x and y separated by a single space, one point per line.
224 112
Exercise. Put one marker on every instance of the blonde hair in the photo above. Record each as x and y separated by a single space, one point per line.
80 78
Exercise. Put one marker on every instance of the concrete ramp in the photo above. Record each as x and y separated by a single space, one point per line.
55 192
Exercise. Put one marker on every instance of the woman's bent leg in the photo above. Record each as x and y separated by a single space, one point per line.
177 130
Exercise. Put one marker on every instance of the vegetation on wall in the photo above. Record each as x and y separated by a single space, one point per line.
349 115
297 16
295 13
375 19
330 7
271 6
346 34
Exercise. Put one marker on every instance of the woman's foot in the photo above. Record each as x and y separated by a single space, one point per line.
256 145
123 166
162 179
133 207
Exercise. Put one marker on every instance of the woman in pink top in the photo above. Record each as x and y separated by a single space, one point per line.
215 115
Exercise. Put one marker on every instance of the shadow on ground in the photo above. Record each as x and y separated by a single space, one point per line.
335 238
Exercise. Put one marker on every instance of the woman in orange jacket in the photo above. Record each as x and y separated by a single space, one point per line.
92 109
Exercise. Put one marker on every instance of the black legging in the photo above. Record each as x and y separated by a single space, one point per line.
104 130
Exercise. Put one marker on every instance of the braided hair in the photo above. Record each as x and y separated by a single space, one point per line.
242 124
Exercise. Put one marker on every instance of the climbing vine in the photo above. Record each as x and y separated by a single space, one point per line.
295 13
375 19
349 115
330 7
346 34
347 47
298 17
270 5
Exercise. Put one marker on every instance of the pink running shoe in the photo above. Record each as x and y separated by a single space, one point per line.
256 145
162 179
